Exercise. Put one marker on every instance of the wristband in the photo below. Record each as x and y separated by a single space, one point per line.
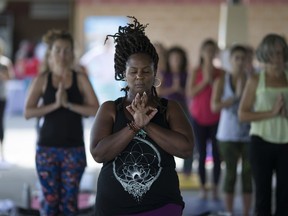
140 132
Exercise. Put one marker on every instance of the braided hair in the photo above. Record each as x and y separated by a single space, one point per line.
129 40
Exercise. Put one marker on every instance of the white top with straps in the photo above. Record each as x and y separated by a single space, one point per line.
230 128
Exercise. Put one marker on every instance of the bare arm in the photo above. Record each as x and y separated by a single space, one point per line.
7 71
216 100
104 144
179 139
245 112
11 72
32 107
192 88
90 104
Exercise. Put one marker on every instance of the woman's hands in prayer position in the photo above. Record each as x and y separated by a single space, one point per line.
141 112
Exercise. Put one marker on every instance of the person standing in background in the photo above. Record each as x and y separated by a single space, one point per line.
26 65
173 79
265 104
173 86
6 73
250 68
233 136
66 97
205 122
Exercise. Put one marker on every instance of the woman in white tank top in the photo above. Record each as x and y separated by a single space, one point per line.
233 136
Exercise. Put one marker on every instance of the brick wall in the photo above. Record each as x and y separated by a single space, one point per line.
186 24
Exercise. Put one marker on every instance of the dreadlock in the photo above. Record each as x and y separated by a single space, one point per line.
131 39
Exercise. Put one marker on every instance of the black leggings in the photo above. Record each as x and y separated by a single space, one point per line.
202 135
2 110
266 159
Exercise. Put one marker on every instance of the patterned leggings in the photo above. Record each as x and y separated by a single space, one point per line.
60 171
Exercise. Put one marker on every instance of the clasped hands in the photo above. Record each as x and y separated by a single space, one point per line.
61 96
279 106
140 110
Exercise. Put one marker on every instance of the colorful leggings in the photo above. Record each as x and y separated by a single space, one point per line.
60 171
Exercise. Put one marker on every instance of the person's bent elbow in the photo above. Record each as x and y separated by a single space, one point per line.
27 114
241 116
98 158
187 152
214 108
94 109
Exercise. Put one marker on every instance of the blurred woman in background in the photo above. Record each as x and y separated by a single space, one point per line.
265 105
66 97
6 73
173 86
233 136
205 122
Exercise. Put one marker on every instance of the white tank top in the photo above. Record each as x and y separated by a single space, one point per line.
230 128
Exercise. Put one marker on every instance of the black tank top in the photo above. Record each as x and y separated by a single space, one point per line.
62 127
141 178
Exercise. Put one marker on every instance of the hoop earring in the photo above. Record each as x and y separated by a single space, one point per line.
157 82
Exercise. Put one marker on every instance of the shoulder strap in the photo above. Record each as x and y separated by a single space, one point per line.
164 102
163 110
118 103
49 80
261 84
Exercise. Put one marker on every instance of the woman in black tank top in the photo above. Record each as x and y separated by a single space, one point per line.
137 136
66 96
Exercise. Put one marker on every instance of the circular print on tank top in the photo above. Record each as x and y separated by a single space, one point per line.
137 167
